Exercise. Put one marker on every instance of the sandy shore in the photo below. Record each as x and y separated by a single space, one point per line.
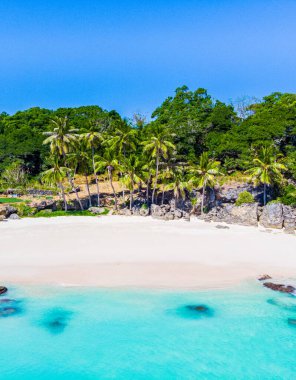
120 251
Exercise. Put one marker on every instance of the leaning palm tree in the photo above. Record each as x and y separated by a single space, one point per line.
108 163
131 167
158 145
203 174
55 176
61 140
93 140
266 170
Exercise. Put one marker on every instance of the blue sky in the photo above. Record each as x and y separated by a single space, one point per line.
129 55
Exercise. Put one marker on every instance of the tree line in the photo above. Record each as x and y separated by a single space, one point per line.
190 139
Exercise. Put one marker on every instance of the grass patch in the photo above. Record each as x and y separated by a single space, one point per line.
53 214
11 200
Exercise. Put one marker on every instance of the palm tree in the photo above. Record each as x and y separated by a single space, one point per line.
177 183
79 159
204 174
108 163
131 167
93 140
61 140
158 145
55 176
266 170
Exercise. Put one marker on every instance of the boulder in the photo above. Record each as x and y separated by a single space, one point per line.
14 217
44 204
144 211
7 210
178 214
272 216
3 290
2 218
246 214
96 210
289 215
279 287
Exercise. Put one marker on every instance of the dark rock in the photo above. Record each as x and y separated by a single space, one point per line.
96 210
264 277
272 216
199 310
279 287
292 321
8 311
221 227
283 305
3 290
57 320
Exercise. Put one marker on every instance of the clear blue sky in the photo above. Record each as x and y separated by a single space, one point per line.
131 54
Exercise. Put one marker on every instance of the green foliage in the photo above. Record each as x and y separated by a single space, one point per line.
24 210
288 195
11 200
244 197
46 214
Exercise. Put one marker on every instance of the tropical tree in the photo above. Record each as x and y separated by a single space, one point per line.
266 169
158 145
131 167
203 174
61 140
93 140
55 176
177 182
108 163
79 159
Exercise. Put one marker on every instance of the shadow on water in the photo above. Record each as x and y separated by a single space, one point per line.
56 320
10 307
284 305
192 311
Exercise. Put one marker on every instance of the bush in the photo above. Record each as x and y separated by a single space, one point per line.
288 195
25 210
244 197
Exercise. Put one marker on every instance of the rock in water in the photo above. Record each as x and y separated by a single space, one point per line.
3 290
279 287
292 321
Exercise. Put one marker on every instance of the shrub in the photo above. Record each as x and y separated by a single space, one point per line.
25 210
244 197
288 195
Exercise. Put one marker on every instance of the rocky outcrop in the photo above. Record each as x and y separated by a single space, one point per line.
14 217
246 214
44 205
264 277
289 215
168 212
7 210
272 216
279 287
3 290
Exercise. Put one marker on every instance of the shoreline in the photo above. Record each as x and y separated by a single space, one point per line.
136 252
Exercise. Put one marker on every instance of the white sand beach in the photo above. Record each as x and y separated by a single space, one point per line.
117 251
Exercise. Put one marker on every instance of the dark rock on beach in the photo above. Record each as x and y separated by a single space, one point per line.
279 287
3 290
264 277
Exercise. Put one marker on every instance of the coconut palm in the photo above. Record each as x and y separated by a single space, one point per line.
176 181
158 145
93 140
122 140
203 174
266 170
79 160
55 176
131 167
61 140
108 163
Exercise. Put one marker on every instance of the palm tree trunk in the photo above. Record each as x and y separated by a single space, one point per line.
156 177
112 186
147 191
162 197
203 199
96 176
131 195
264 195
87 188
71 182
63 196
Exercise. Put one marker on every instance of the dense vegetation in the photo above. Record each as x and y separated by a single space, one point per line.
190 140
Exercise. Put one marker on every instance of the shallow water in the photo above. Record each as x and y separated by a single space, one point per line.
61 334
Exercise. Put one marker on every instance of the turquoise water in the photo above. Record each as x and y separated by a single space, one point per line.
61 334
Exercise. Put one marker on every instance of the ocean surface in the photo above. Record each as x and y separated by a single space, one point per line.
61 333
